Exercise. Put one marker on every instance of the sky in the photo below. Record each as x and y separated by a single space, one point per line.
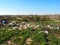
18 7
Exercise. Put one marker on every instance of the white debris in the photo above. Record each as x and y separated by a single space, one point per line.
46 32
25 26
57 28
48 25
14 28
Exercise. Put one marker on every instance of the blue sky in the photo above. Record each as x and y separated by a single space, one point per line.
29 7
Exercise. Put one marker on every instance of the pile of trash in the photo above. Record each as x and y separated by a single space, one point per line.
23 25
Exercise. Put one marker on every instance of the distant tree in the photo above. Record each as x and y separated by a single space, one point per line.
36 18
45 18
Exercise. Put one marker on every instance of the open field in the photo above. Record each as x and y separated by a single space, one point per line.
30 30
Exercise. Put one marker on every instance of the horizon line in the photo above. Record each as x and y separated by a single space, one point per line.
28 14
